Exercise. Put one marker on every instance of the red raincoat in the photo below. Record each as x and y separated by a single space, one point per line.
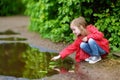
75 46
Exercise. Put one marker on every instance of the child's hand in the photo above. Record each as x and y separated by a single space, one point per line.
55 58
84 39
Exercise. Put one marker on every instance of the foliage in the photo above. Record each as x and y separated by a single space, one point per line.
35 63
38 64
11 7
109 23
51 18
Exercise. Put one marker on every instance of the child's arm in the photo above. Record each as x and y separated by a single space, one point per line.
85 39
68 50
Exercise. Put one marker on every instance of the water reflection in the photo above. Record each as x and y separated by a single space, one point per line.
21 60
38 64
13 39
11 63
77 73
8 32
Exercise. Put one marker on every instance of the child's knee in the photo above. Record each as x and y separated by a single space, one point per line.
90 41
82 45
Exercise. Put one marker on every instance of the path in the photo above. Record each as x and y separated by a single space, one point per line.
103 70
19 24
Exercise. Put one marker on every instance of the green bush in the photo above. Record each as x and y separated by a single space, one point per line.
51 18
11 7
109 23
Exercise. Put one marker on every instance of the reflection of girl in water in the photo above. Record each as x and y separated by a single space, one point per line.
76 74
61 70
68 68
65 67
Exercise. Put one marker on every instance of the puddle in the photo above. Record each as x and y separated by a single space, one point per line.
10 36
22 60
8 32
13 39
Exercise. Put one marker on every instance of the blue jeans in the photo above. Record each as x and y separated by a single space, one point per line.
92 48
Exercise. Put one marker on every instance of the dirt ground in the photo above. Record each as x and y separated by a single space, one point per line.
107 69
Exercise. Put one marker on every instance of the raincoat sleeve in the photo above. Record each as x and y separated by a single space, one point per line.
68 50
94 33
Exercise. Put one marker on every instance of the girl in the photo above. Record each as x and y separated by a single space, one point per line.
89 45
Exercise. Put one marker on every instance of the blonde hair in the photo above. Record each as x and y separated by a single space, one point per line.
81 23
